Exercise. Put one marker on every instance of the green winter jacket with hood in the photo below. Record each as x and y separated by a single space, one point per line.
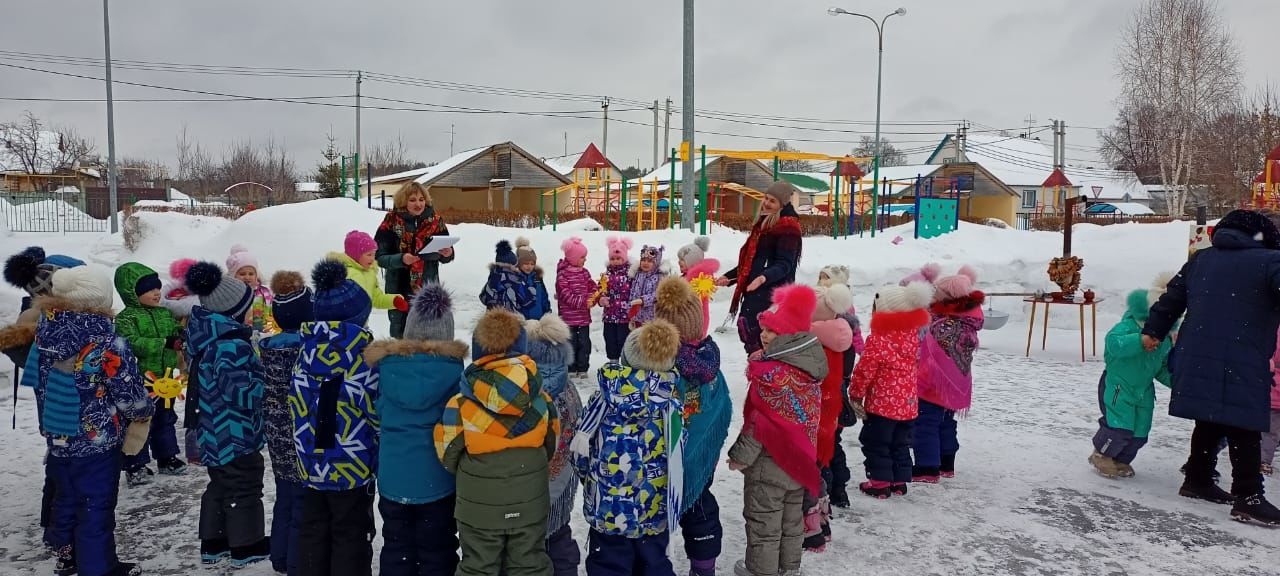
1128 395
145 328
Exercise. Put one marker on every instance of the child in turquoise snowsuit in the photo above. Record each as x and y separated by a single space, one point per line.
1126 393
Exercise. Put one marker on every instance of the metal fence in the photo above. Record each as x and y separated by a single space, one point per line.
52 212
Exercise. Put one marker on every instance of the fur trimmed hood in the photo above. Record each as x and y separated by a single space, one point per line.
959 305
380 350
55 303
20 333
663 268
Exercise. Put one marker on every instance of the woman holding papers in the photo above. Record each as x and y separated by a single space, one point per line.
401 238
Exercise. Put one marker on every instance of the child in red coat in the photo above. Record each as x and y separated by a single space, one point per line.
884 386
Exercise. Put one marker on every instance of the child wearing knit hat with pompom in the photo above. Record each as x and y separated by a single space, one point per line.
336 427
505 287
359 256
777 448
836 337
244 266
531 275
224 406
884 386
574 292
616 299
645 276
417 375
174 294
628 452
946 380
838 275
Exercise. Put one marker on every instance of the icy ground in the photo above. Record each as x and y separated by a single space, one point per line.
1025 501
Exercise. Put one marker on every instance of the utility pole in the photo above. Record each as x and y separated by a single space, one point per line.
962 142
687 181
604 143
113 198
451 135
356 172
666 138
1062 142
657 155
566 143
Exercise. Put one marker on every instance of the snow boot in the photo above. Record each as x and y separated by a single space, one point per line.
172 467
256 552
1255 510
839 497
139 477
1210 492
925 474
1104 465
66 562
740 569
1126 471
1268 470
214 551
899 489
875 489
1216 474
948 468
816 543
125 569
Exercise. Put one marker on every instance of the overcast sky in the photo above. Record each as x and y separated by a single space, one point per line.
992 62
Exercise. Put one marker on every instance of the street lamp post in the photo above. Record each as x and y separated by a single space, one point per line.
875 183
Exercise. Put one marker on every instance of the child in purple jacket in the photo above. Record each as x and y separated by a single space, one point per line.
645 276
574 290
617 296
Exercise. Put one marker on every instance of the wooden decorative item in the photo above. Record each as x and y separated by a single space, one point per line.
1065 271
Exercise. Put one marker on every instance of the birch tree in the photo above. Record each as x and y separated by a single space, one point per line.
1178 59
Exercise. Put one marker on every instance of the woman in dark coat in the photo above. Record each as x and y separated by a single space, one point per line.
1221 358
766 261
403 233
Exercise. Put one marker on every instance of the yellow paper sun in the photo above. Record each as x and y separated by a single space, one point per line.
703 285
168 387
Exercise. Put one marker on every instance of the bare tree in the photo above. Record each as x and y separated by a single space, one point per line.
791 165
41 151
142 173
389 157
890 155
1177 58
1130 143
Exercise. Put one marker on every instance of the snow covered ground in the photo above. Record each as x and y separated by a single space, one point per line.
1025 501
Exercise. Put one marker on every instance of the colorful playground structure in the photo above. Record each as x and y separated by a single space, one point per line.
1266 186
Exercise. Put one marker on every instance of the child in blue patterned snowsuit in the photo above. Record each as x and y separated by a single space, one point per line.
224 405
336 428
505 287
87 386
628 453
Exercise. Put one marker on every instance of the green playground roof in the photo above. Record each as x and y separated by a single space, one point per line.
806 181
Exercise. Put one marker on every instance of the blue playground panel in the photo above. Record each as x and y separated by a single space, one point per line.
937 216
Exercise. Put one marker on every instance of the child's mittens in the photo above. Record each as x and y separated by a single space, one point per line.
135 436
736 466
401 304
858 409
635 309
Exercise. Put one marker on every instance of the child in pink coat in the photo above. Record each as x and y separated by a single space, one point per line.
1272 438
574 289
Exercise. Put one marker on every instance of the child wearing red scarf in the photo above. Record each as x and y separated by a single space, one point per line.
777 448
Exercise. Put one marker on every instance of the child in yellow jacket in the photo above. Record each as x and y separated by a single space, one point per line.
359 256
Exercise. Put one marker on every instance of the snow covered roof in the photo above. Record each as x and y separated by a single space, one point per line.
563 165
1026 163
663 172
307 187
810 182
421 175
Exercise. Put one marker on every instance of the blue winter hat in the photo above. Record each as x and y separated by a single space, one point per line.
337 297
505 255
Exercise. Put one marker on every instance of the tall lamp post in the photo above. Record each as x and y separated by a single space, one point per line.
875 183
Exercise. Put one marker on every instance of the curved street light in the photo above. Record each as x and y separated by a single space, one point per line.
875 184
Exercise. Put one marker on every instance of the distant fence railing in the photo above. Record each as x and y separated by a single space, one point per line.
1054 223
810 225
52 212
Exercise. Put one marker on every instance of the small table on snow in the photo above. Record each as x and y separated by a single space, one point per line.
1044 335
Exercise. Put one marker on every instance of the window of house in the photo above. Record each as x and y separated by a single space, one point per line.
1028 198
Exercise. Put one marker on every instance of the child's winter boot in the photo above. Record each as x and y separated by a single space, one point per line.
125 569
1105 465
1255 510
925 474
172 466
839 497
1209 491
875 488
65 564
898 489
1126 471
1267 470
948 468
139 477
256 552
214 551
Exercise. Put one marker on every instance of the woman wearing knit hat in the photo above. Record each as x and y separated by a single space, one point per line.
505 287
404 232
628 453
1232 289
224 406
244 266
336 428
359 257
549 348
417 375
87 389
885 384
777 448
946 378
708 410
531 275
767 260
293 306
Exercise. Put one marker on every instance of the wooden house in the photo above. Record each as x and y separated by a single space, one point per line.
499 177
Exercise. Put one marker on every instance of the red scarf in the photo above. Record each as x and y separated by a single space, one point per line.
747 254
411 243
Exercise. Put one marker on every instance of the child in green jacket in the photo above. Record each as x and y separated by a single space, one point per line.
155 337
1126 394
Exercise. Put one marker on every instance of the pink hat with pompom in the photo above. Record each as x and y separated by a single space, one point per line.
619 247
240 258
573 248
178 271
957 286
927 273
792 310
